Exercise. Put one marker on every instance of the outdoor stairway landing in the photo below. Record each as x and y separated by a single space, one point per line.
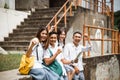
21 36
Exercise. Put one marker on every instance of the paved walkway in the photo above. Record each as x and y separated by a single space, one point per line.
11 75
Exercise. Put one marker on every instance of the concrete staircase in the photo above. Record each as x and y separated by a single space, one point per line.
21 36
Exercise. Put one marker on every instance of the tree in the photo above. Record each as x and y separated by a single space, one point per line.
117 20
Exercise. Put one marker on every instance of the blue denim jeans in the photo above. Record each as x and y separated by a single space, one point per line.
79 76
43 74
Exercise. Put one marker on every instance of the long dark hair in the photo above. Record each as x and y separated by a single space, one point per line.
60 30
39 31
39 36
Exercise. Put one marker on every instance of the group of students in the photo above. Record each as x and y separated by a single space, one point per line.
46 43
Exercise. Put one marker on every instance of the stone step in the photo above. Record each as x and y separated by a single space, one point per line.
25 30
36 21
25 36
48 18
28 38
39 23
30 26
8 43
36 25
37 18
15 48
22 34
47 9
42 15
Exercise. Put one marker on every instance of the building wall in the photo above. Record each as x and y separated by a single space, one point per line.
9 19
102 67
88 17
116 5
29 4
9 3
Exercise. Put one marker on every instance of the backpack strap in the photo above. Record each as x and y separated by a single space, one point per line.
37 52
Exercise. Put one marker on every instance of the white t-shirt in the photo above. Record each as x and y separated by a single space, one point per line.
58 58
37 49
71 52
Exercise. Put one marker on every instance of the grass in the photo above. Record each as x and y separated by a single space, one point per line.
10 61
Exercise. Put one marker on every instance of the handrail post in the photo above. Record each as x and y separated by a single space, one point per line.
84 31
116 41
48 27
89 40
75 4
102 43
65 20
102 6
71 9
113 42
55 23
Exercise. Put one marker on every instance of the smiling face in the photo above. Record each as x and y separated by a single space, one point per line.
43 35
77 38
62 36
53 39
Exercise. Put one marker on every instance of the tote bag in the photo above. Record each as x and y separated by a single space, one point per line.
54 66
26 64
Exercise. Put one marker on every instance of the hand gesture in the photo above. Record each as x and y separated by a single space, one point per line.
75 60
76 70
59 51
34 41
86 36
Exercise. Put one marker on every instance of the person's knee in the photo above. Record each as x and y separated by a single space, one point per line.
73 72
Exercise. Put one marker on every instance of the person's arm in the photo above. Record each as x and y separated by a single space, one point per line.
76 69
33 42
52 29
49 60
87 38
64 61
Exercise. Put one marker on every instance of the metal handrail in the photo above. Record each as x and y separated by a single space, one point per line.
56 22
114 38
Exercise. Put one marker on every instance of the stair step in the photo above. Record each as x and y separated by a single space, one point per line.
36 26
8 43
36 21
26 30
37 18
25 36
42 15
15 48
30 26
47 9
18 38
39 23
22 34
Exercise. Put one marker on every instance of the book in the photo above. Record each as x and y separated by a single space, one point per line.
83 50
